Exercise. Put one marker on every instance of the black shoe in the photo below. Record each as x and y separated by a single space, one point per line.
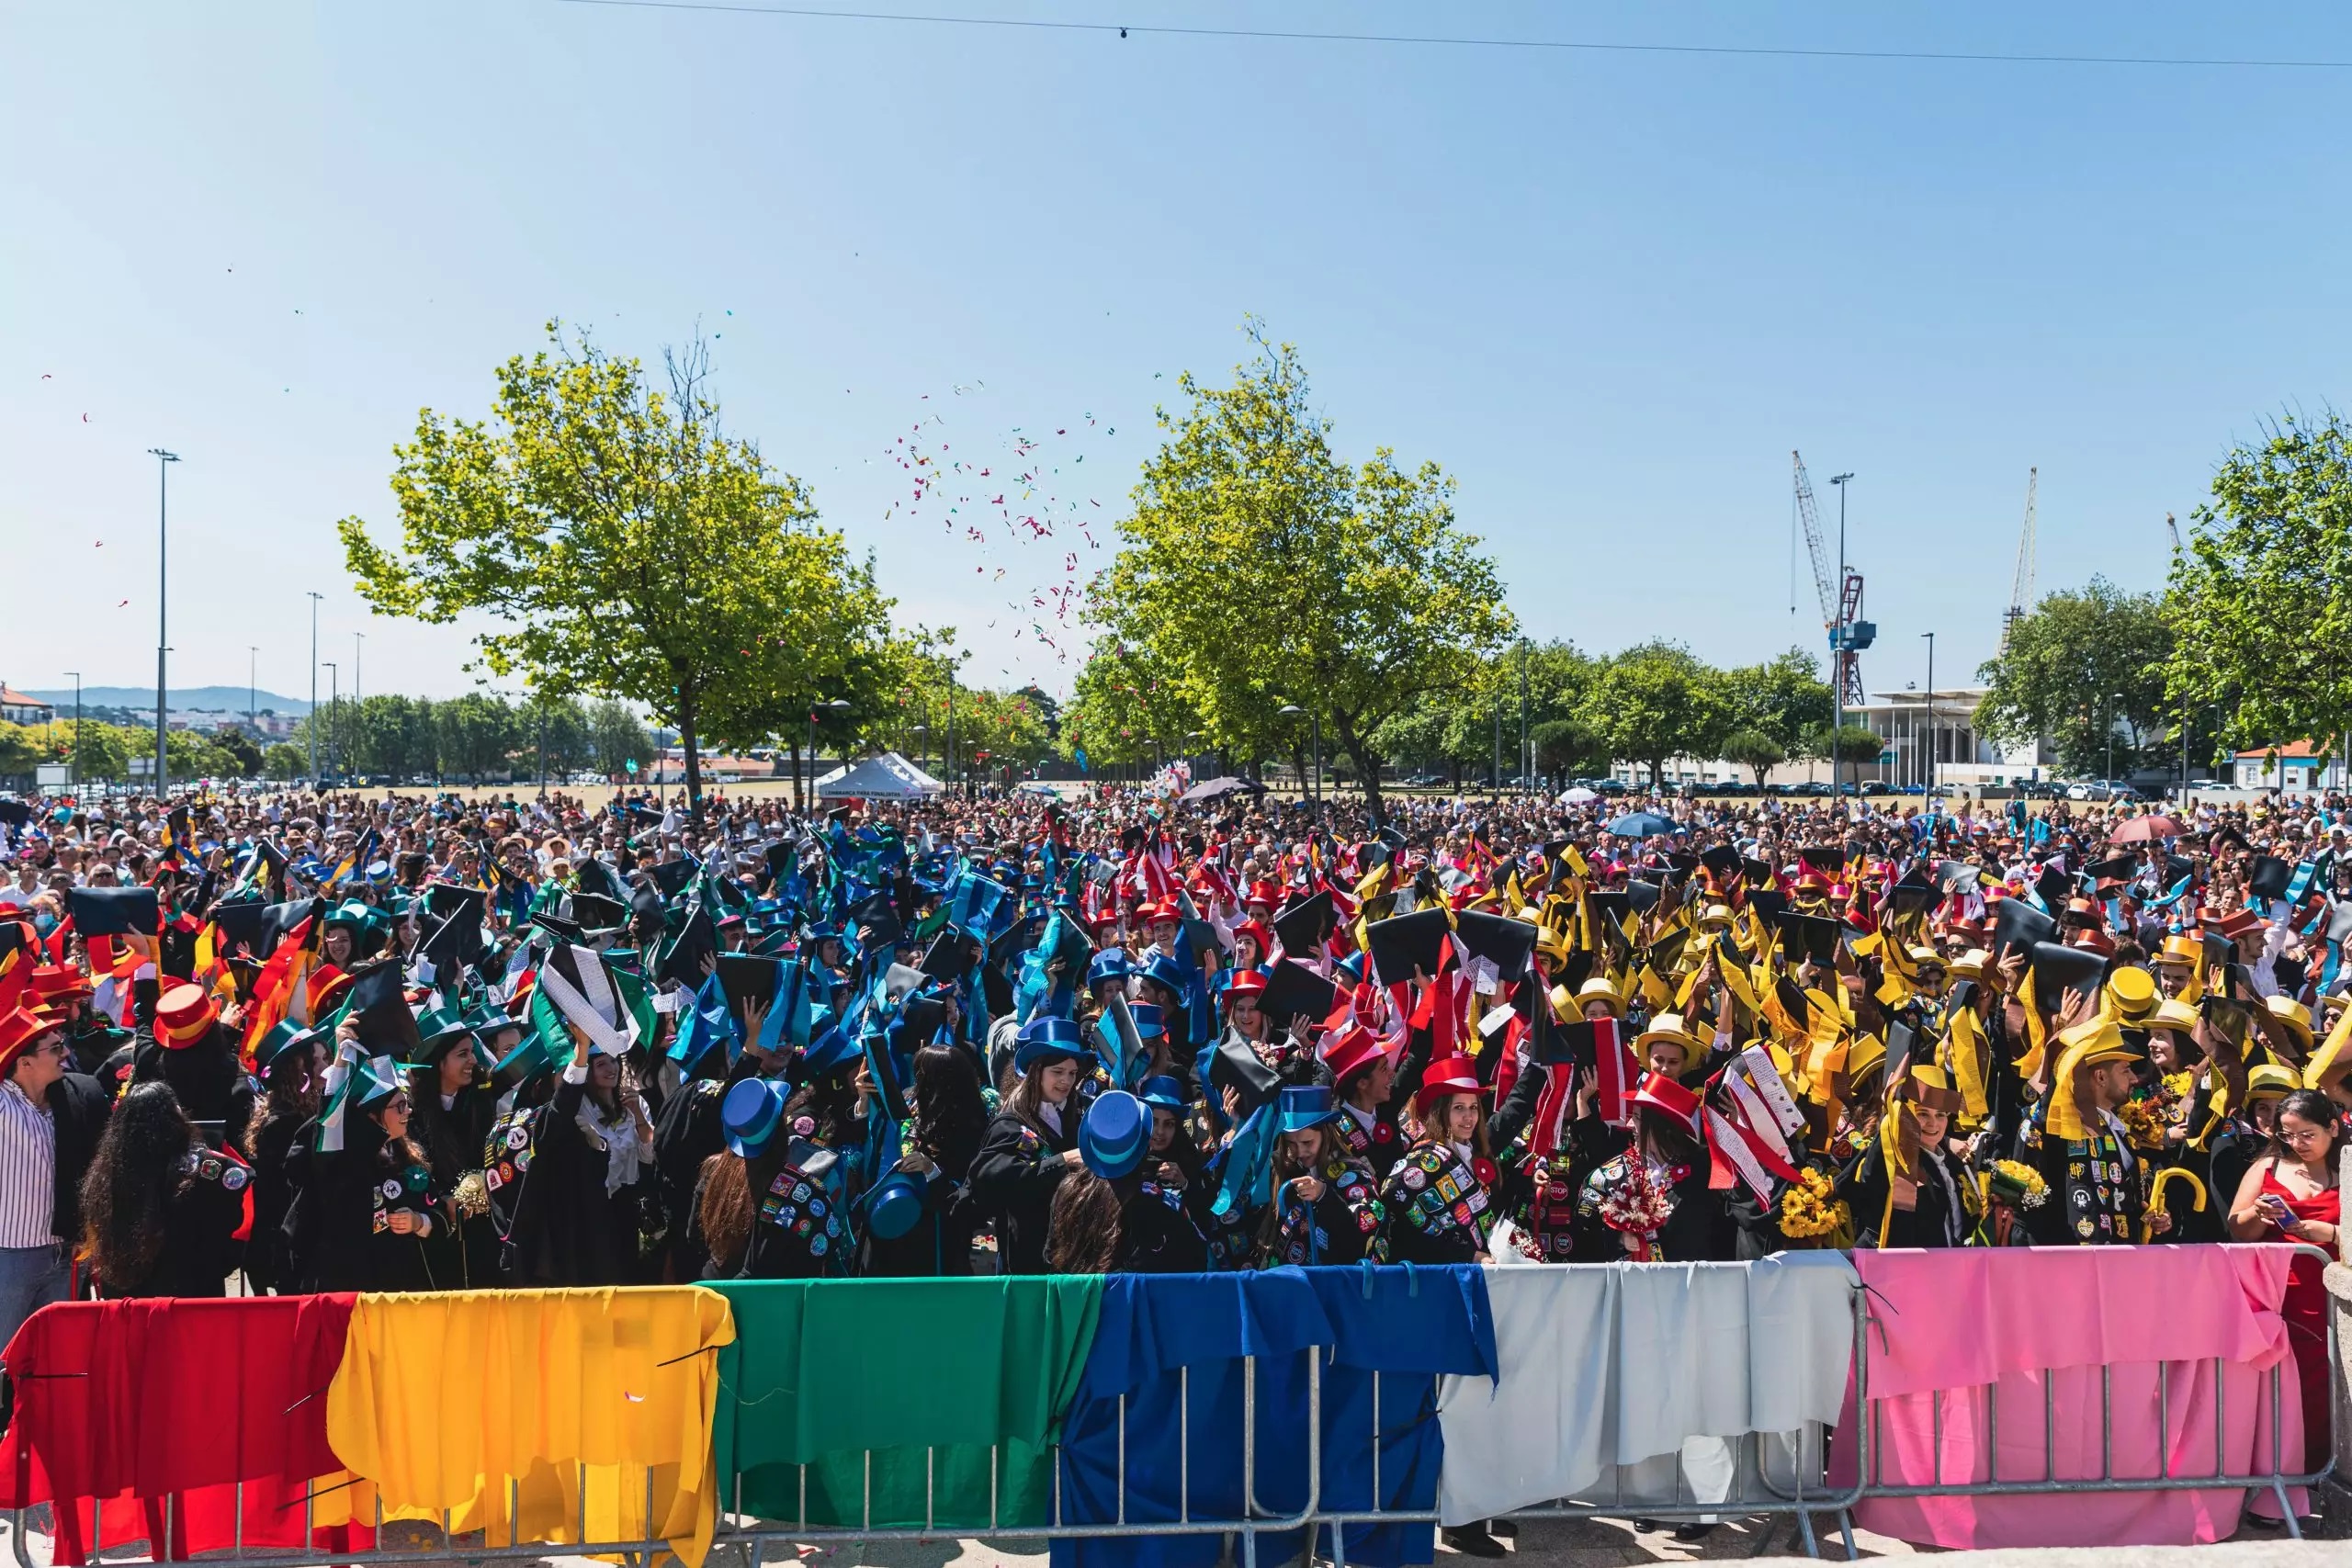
1474 1542
1693 1532
1507 1530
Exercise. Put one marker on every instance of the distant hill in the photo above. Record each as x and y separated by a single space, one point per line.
224 699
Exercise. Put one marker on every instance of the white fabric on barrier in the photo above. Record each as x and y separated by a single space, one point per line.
1635 1365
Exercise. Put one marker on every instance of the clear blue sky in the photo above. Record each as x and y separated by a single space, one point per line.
1608 291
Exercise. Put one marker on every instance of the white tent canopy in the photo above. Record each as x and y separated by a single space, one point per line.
887 777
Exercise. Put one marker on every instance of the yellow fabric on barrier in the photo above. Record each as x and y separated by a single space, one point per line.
441 1399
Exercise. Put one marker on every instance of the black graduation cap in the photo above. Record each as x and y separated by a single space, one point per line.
1906 1045
1303 926
1769 902
113 911
1683 862
747 978
2057 968
2115 868
555 925
2019 924
2229 1018
2291 974
386 1026
1236 1066
681 955
1498 938
1642 896
949 957
590 875
2266 876
1612 905
782 857
877 914
1372 854
16 813
2176 867
2221 952
1824 858
1578 1043
1403 944
2054 889
447 946
1721 858
244 922
1293 988
594 912
1809 936
1914 895
447 897
672 876
1956 876
1793 1000
1017 938
645 904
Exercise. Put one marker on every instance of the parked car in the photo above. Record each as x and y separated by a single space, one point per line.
1876 787
1609 786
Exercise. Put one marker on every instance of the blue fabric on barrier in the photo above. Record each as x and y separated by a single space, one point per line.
1407 1323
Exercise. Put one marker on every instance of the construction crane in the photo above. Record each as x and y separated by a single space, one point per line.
2174 529
1842 604
2021 585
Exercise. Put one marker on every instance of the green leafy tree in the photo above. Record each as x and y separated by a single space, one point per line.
387 734
1125 707
285 762
21 750
625 543
242 754
1257 564
1753 749
2086 661
2261 602
475 735
616 737
1654 701
1852 745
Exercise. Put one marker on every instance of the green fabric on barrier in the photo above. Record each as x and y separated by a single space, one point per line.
823 1370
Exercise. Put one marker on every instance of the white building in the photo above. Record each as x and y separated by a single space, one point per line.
1913 726
2298 767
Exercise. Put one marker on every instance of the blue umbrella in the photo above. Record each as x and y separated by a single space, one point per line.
1642 824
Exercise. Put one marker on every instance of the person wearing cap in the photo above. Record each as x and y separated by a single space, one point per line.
162 1211
2176 964
2096 1182
1653 1202
1905 1189
1031 1143
1371 1091
1600 996
1440 1194
51 1122
366 1215
291 1059
1326 1207
196 1055
1104 1220
452 1113
939 1142
581 1216
797 1136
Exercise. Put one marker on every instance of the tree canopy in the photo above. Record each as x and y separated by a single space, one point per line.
1260 571
624 543
2085 661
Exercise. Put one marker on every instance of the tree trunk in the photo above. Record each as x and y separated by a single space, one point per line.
694 759
1359 748
1658 774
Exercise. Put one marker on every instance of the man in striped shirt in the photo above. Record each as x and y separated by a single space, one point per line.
32 1255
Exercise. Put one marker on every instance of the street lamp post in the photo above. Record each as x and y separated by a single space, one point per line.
334 681
252 687
163 461
1836 666
314 691
2112 698
74 772
1931 711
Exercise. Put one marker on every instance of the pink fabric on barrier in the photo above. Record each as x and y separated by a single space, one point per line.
1966 1319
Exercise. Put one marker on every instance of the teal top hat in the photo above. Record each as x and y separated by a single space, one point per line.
751 1113
1115 1134
1305 1106
895 1205
1168 1092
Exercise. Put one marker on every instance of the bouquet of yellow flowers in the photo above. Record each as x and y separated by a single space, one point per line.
2143 1123
2019 1185
1810 1211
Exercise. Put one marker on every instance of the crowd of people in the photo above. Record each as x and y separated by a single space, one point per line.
439 1043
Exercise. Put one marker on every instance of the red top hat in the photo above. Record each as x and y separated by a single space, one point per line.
183 1015
1666 1094
56 983
2235 924
19 1030
1447 1075
1261 932
1245 982
1266 892
1350 1051
1166 909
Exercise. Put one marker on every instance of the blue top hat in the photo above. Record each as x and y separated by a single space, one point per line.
1110 963
1044 1040
1305 1106
1117 1132
829 1046
751 1113
1149 1021
1165 1091
894 1206
1162 970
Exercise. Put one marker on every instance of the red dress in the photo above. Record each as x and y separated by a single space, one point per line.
2307 1312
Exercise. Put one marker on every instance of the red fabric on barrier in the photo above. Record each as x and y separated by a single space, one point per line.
129 1403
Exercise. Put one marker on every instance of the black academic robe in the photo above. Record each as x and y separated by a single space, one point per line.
266 1264
567 1230
1939 1219
356 1190
213 1087
77 1110
202 1240
940 1242
1014 1175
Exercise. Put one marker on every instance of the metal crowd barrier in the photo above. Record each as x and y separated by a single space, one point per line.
1753 1490
743 1533
2049 1482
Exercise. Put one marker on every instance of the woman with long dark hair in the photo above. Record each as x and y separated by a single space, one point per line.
939 1143
1033 1143
162 1213
291 1059
377 1212
2291 1195
1652 1202
450 1117
794 1147
578 1219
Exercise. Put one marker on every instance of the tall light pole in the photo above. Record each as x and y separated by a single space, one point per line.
74 772
333 684
252 687
163 461
1931 707
2112 698
1526 758
314 691
1843 630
